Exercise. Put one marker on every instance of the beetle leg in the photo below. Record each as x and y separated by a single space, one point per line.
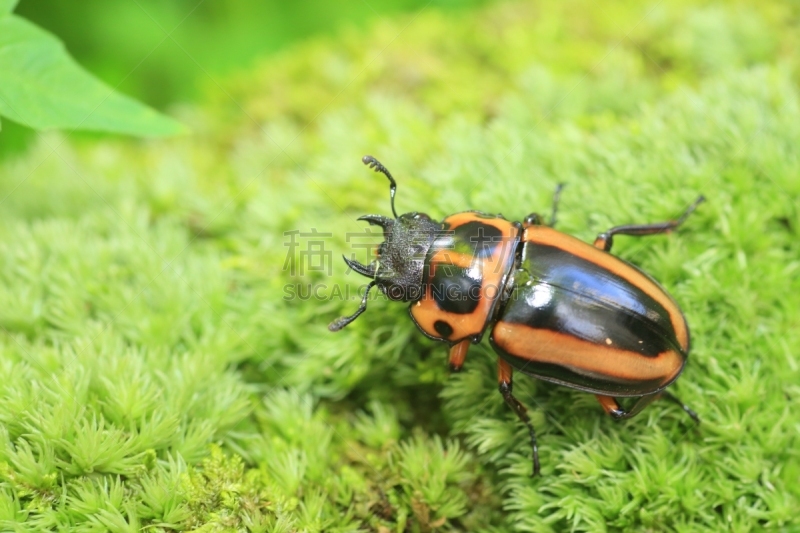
504 372
458 353
605 240
535 219
556 198
674 399
612 407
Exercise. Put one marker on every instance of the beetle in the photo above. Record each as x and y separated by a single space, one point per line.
558 309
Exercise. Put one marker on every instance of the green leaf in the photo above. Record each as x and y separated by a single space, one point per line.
7 6
42 87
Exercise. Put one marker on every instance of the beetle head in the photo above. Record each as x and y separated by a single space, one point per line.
400 260
398 267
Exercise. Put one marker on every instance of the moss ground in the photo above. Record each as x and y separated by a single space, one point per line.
156 375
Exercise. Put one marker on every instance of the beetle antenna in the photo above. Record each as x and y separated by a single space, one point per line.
374 164
339 323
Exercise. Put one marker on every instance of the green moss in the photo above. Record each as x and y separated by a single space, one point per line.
155 375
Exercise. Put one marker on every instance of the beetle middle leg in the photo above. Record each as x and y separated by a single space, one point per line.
605 240
504 372
535 219
613 408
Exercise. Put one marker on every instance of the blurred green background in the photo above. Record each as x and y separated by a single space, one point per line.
165 52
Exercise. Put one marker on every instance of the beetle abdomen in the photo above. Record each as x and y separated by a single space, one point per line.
583 318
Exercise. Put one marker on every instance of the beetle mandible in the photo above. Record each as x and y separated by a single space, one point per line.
559 309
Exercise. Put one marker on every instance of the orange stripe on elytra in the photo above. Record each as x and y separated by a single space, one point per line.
458 219
546 346
551 237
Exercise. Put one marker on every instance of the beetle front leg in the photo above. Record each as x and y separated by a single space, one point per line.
604 241
504 372
458 353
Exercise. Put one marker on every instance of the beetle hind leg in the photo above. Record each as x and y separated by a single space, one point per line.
613 408
674 399
504 372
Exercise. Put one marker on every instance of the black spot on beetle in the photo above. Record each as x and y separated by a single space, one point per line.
481 239
454 291
443 328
